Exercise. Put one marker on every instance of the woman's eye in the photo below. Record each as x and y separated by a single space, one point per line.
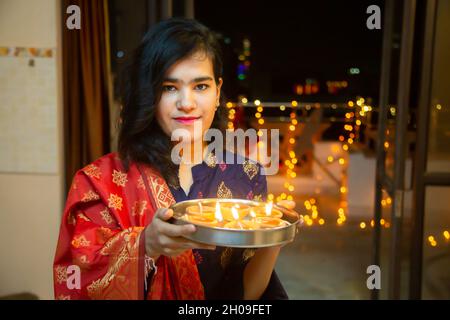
202 87
169 88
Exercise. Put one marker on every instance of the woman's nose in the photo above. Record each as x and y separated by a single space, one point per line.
186 101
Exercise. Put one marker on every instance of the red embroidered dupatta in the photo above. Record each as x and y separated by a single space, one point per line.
101 234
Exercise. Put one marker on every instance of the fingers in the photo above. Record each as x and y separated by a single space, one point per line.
164 214
168 238
172 230
288 204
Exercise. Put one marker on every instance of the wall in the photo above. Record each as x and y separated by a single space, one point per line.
31 201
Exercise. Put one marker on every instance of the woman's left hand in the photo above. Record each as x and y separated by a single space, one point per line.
288 204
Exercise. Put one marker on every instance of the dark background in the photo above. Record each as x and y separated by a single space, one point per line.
291 41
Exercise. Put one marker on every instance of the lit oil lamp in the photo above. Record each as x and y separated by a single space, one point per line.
237 223
201 215
201 220
267 211
270 222
227 211
200 210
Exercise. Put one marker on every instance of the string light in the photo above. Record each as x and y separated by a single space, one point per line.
446 235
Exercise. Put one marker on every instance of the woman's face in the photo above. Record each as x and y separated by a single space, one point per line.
189 96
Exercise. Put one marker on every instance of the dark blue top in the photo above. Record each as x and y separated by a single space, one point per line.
221 271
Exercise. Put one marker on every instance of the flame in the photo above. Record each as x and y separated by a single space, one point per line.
235 213
269 208
218 213
252 213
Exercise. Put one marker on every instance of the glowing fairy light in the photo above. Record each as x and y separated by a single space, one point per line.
446 235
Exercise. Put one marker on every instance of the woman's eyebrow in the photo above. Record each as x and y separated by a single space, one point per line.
199 79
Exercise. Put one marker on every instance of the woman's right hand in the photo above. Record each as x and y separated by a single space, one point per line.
164 238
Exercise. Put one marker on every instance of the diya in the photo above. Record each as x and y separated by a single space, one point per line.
237 222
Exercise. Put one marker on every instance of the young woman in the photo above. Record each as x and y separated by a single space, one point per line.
115 240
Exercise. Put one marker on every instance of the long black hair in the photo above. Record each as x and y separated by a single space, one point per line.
141 138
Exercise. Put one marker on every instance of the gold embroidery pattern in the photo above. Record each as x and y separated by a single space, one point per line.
257 197
211 160
81 261
81 241
250 168
248 253
223 192
60 274
139 208
141 183
82 216
92 171
119 178
125 252
106 249
163 195
63 297
90 196
225 257
106 216
115 201
102 235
